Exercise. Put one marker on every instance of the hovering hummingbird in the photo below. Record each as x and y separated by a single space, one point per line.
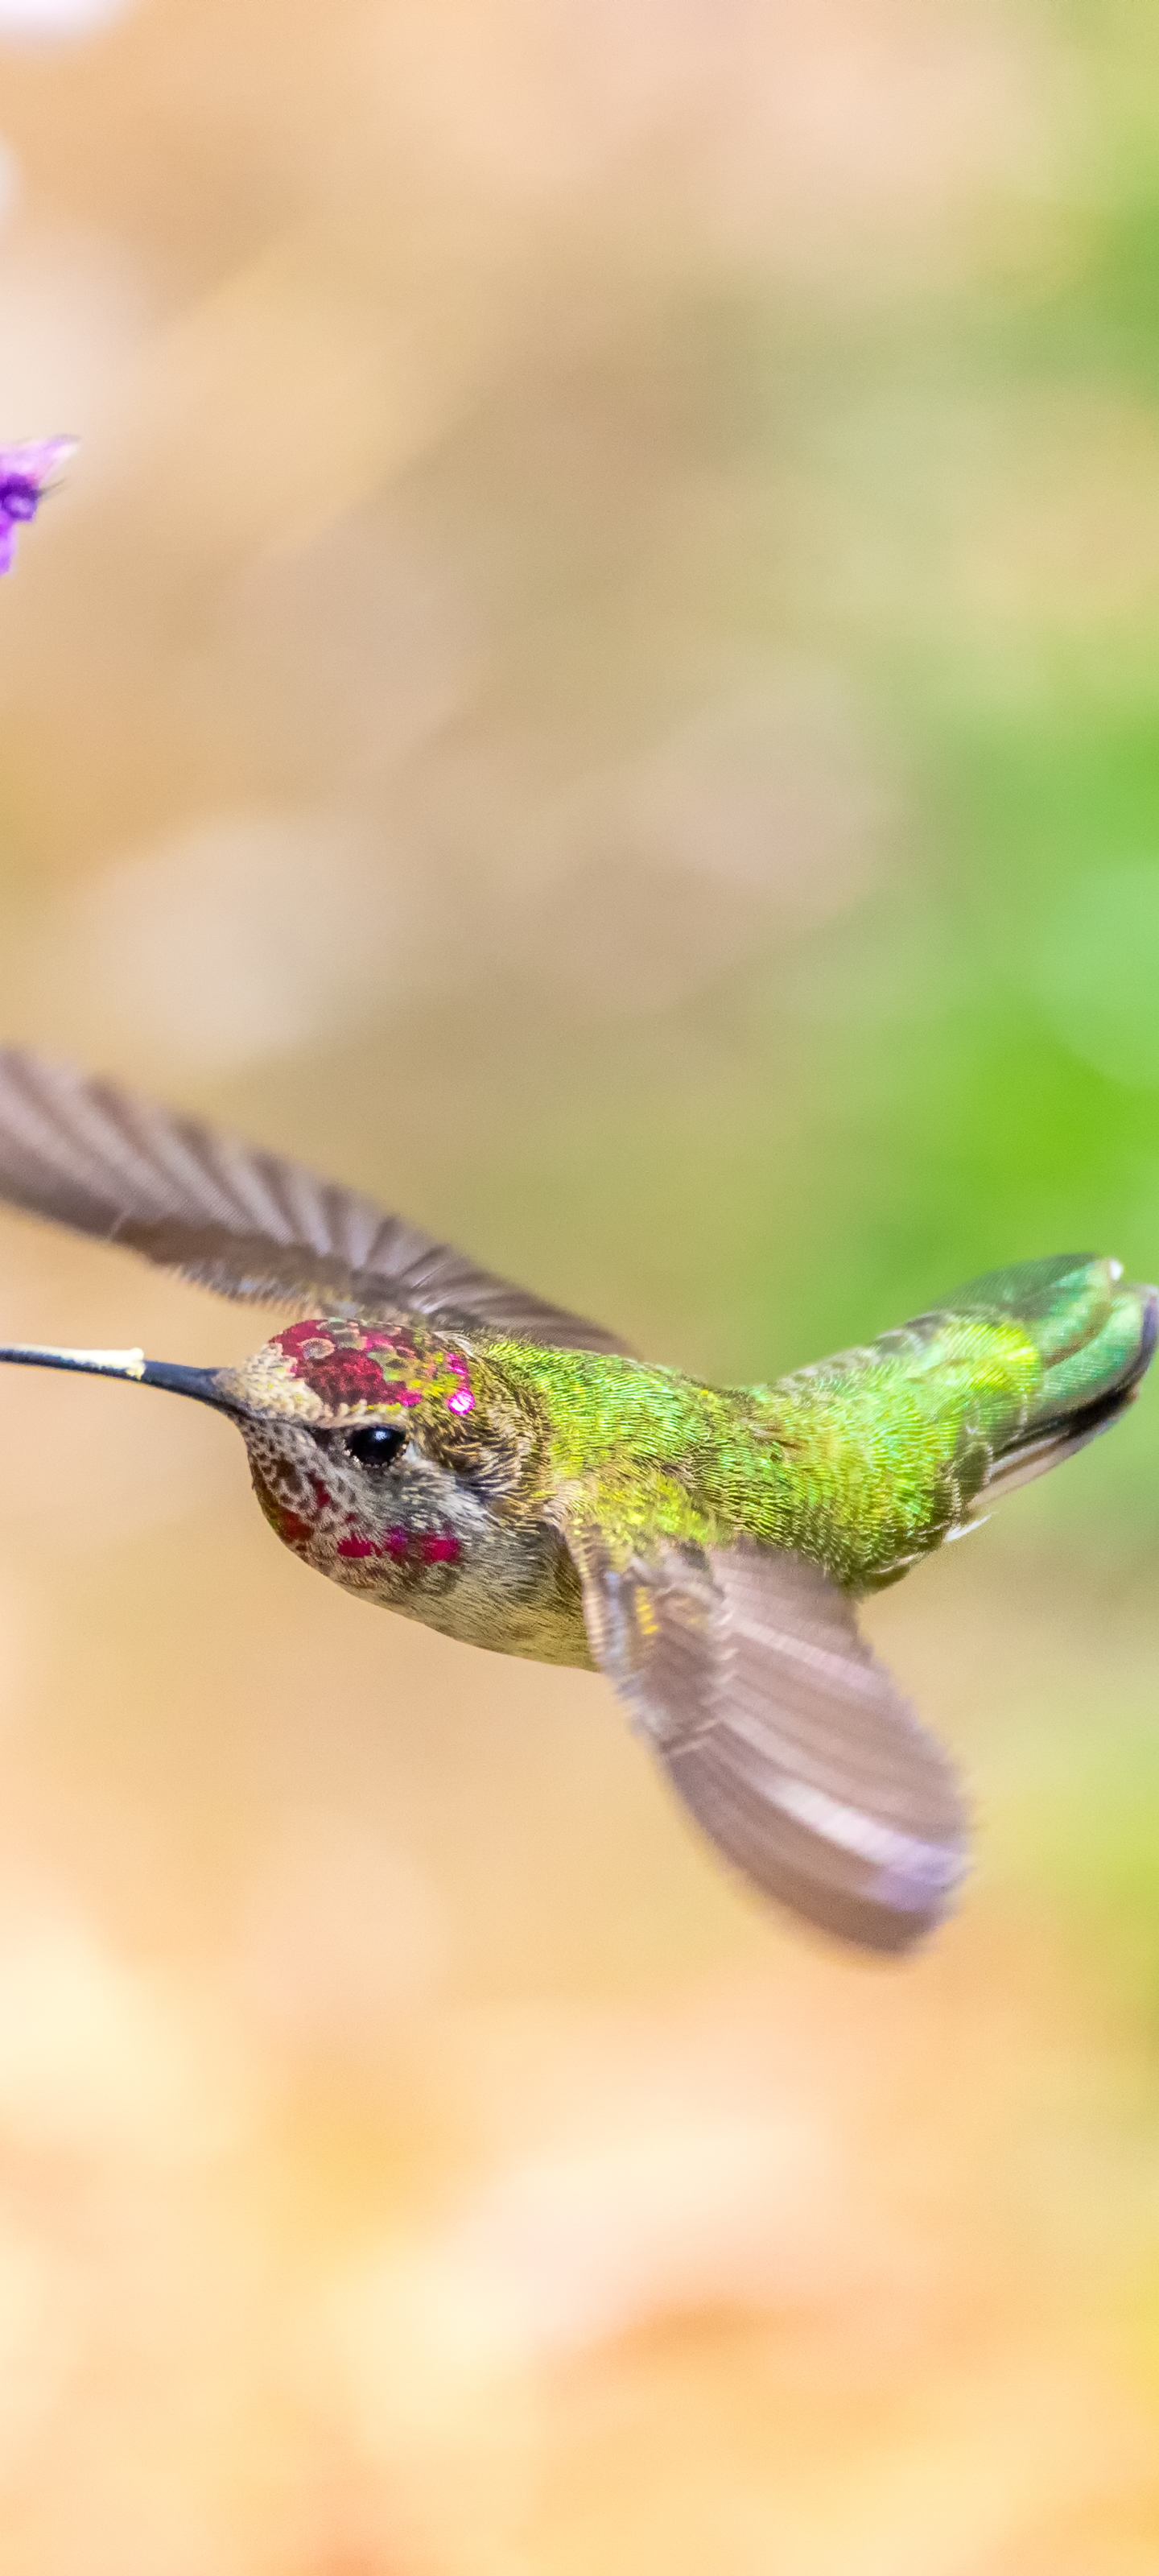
443 1443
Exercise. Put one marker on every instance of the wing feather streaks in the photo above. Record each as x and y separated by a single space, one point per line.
784 1735
232 1217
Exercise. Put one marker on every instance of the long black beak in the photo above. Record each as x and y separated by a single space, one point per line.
207 1386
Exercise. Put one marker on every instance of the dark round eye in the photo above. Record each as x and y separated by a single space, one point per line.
375 1444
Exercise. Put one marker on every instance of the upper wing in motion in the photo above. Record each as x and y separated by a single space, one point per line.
784 1734
250 1224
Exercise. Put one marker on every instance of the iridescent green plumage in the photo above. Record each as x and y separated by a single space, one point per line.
448 1446
863 1462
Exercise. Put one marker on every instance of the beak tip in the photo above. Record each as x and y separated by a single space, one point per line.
88 1363
208 1386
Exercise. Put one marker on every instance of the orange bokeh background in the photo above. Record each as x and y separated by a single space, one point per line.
486 712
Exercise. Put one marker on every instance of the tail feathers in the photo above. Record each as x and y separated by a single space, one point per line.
1024 1459
1095 1339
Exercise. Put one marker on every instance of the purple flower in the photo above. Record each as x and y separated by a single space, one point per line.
24 472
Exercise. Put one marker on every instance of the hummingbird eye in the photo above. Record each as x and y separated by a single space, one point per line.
375 1444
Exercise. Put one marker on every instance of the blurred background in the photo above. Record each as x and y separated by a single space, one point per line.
597 673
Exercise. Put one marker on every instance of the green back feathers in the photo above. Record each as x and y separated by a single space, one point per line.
863 1462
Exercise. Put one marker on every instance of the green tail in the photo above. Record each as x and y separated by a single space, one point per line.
896 1446
1094 1339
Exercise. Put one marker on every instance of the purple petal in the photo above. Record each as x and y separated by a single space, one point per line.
24 472
35 459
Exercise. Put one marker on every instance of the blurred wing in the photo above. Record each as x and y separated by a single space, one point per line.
782 1732
250 1224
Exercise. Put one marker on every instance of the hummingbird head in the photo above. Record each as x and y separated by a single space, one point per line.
390 1458
379 1455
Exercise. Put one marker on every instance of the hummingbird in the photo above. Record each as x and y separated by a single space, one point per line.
445 1444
